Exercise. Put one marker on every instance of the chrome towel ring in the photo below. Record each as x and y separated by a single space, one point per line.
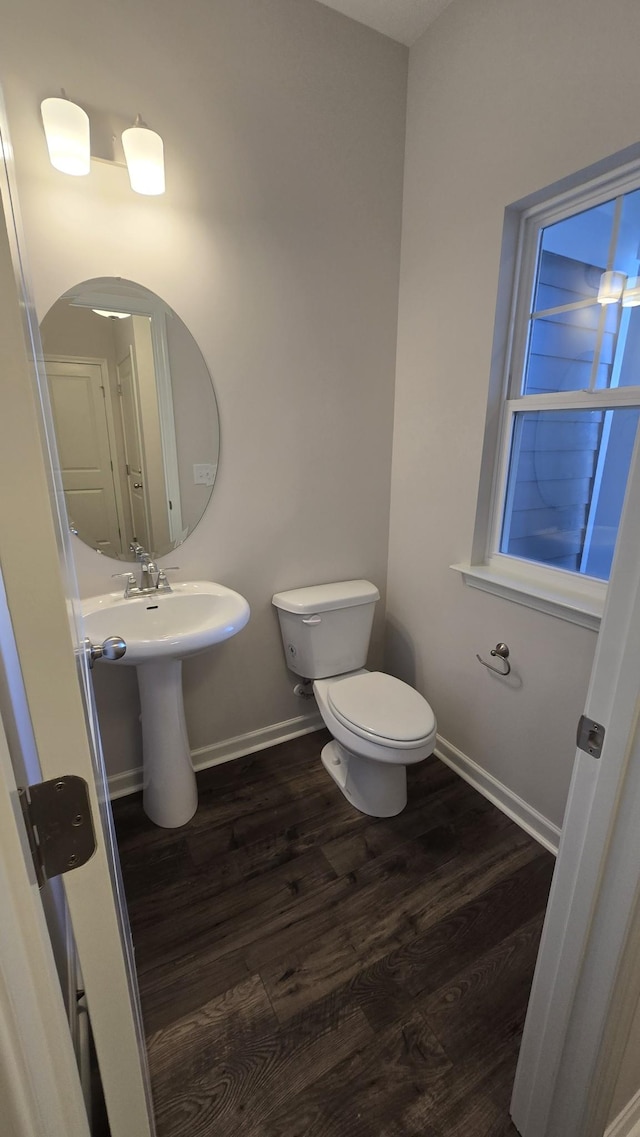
502 652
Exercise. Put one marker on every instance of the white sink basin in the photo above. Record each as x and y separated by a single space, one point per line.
193 616
159 630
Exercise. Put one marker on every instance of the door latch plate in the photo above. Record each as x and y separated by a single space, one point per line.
57 815
590 736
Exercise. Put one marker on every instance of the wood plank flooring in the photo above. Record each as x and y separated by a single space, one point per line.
306 971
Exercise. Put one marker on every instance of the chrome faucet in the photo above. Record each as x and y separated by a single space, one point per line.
147 568
148 574
152 577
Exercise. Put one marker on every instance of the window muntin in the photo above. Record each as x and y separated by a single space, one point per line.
569 427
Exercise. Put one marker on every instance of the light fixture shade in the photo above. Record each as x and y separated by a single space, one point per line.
144 153
111 315
611 287
66 128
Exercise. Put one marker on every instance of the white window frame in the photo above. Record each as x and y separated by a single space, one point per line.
560 592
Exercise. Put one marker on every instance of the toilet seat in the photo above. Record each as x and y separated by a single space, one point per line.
382 709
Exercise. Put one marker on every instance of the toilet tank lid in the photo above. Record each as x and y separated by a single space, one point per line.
325 597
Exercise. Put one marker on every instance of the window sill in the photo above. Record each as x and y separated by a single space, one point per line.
566 604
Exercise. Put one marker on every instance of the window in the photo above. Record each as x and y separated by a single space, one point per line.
572 402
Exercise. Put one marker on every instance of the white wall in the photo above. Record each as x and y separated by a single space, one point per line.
504 99
278 244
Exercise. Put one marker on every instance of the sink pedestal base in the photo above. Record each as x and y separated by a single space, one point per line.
170 796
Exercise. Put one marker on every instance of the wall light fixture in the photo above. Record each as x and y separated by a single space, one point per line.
67 131
66 128
144 153
611 287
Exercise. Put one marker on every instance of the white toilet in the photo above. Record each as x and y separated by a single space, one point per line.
379 724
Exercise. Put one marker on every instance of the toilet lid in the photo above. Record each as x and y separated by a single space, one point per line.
383 706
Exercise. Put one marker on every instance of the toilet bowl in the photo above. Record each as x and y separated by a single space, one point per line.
379 724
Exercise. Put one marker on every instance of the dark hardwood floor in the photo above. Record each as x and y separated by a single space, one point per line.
306 971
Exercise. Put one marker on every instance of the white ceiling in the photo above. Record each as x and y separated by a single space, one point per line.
402 20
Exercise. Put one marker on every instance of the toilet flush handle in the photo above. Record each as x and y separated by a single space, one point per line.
312 619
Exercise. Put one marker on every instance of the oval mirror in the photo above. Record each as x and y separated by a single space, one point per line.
135 416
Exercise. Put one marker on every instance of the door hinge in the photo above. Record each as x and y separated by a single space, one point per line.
590 736
57 816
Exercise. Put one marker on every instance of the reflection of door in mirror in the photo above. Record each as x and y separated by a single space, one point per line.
135 476
85 434
138 392
116 490
154 497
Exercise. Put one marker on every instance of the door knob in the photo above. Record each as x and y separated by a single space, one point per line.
137 485
113 648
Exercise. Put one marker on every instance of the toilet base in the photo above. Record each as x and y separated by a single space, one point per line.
378 789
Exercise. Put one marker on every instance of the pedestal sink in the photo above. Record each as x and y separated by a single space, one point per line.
160 629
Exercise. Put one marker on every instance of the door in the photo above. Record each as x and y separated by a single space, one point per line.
39 1085
78 391
41 595
136 478
587 979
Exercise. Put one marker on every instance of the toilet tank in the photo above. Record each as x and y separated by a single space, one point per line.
326 628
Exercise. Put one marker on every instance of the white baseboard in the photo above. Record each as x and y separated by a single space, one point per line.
627 1123
524 815
130 781
544 831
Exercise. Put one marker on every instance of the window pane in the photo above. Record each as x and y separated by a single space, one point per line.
626 254
567 479
573 255
584 238
563 348
564 280
627 371
574 341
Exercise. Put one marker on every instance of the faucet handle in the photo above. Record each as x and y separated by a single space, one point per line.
131 586
161 580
